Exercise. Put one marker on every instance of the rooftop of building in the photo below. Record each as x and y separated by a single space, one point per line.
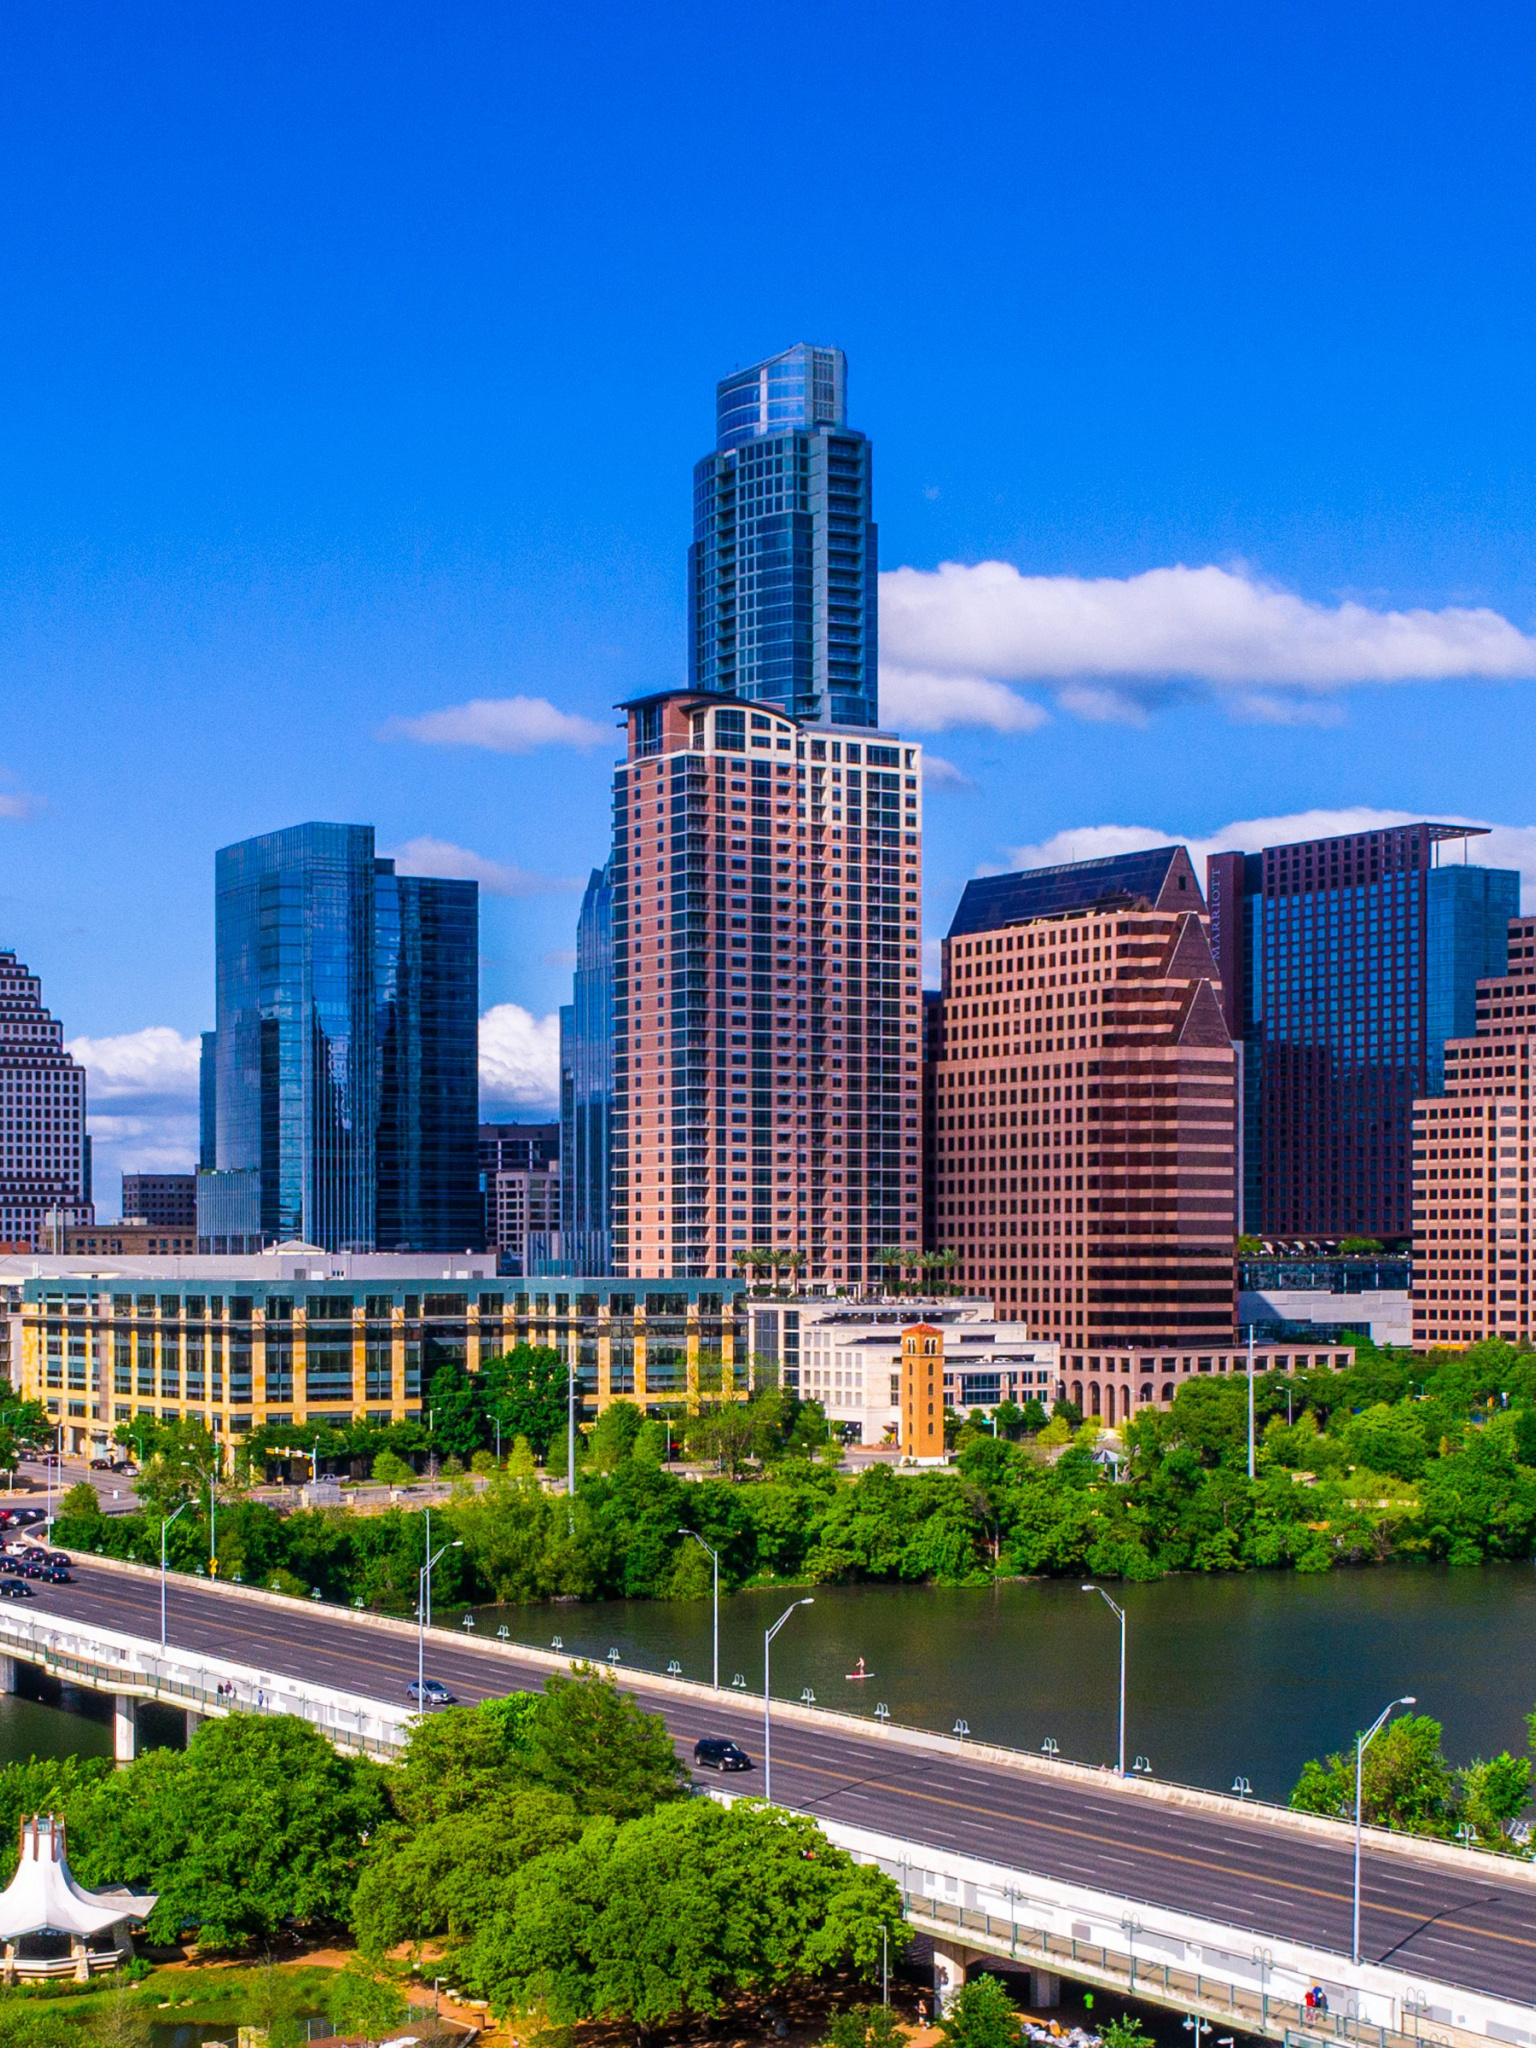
272 1268
1123 878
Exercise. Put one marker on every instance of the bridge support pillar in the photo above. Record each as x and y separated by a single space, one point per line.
1044 1990
950 1962
194 1721
7 1674
125 1727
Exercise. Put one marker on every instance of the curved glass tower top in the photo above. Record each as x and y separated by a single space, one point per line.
783 568
803 387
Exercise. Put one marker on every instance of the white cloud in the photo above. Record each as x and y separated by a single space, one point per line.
941 774
519 1057
504 725
155 1061
953 638
458 864
917 701
1504 846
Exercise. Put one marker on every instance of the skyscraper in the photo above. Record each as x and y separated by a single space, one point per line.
1086 1118
766 878
345 1041
586 1088
42 1113
1345 963
782 598
1471 1172
208 1102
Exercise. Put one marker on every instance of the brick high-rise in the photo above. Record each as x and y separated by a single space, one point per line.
766 878
1086 1111
42 1113
1472 1169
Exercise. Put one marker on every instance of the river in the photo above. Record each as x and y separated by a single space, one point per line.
1242 1675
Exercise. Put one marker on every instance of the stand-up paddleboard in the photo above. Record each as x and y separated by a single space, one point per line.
860 1672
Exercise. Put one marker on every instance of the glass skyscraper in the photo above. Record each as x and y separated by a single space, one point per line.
345 1046
782 597
586 1088
1345 965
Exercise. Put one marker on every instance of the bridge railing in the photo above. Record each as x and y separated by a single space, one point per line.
1254 2010
179 1679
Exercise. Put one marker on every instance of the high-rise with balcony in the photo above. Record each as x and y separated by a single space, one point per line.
345 1045
782 572
1346 965
585 1221
766 880
43 1153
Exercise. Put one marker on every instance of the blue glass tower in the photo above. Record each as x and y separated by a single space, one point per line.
426 973
782 597
586 1088
1468 936
344 1047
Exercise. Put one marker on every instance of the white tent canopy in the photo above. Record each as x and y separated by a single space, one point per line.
43 1897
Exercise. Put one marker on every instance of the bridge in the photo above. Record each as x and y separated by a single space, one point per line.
1175 1896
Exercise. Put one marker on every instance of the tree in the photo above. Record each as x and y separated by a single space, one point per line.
599 1747
1491 1794
728 1432
121 2022
443 1878
1126 2032
455 1400
363 2001
82 1501
677 1913
390 1470
459 1759
864 2026
1406 1782
614 1433
981 2015
526 1388
259 1823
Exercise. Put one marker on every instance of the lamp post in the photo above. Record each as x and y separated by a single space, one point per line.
1120 1611
209 1479
768 1636
163 1527
1362 1742
714 1557
570 1448
1250 1403
423 1595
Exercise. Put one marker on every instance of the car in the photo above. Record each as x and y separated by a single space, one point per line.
101 1464
431 1692
719 1753
61 1557
56 1575
9 1564
35 1554
13 1589
32 1569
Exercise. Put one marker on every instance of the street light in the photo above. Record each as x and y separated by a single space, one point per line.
714 1557
210 1479
768 1636
423 1595
1250 1403
163 1527
1120 1611
1361 1744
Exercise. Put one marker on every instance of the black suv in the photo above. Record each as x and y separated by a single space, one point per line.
719 1753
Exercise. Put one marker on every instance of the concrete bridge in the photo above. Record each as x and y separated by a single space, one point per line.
1180 1897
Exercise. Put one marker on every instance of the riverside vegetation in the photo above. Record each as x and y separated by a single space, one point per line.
1401 1456
545 1845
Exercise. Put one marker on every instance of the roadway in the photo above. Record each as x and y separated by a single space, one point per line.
1469 1929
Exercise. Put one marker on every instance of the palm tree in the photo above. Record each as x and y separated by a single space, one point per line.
889 1255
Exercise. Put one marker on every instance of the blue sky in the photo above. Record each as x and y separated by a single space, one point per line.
355 361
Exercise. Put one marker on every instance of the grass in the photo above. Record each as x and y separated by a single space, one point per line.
217 1995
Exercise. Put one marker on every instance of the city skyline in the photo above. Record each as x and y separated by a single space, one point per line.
1193 530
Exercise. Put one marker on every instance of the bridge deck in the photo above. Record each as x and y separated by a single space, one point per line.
1473 1926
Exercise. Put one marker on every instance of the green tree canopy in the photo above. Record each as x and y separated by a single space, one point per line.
598 1746
648 1920
526 1388
981 2015
1405 1783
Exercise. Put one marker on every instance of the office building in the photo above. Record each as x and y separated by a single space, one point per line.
1345 963
1471 1169
585 1221
1086 1120
43 1156
322 1339
166 1200
208 1102
346 1042
129 1239
782 574
1325 1300
767 1009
